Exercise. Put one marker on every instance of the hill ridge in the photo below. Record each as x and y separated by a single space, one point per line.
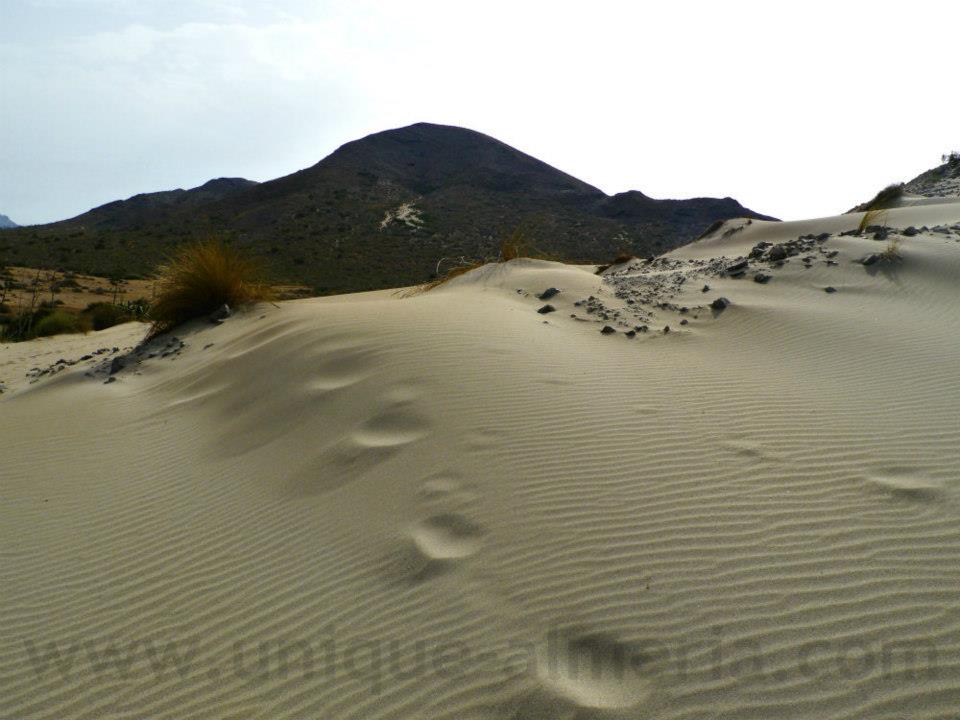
377 212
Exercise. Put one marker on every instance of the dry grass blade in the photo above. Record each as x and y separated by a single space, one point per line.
200 278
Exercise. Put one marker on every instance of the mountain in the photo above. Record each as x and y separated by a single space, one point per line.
6 222
378 212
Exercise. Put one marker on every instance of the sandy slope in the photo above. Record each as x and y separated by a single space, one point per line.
454 507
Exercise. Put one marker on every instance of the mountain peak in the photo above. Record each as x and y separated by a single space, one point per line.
427 156
6 222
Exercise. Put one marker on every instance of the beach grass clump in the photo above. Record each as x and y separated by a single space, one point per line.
200 278
875 210
518 245
892 251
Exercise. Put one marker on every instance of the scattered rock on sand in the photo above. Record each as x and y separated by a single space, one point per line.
830 289
548 293
737 267
761 278
116 365
546 309
870 259
721 303
778 252
607 330
221 314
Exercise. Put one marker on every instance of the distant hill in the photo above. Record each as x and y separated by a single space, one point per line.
378 212
6 222
941 181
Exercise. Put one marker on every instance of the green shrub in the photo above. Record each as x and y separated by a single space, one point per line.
59 322
103 315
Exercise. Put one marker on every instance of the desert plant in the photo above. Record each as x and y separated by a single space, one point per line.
514 246
892 251
59 322
871 217
117 281
518 245
201 277
103 315
882 201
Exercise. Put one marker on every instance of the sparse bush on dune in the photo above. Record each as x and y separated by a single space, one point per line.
513 247
872 217
518 245
59 322
892 251
103 315
200 278
883 200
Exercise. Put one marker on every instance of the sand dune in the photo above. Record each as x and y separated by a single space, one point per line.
451 506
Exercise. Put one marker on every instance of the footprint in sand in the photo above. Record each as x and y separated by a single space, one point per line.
446 537
903 484
588 675
445 492
340 369
389 429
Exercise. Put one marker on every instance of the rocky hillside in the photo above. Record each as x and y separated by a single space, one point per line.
942 181
378 212
6 222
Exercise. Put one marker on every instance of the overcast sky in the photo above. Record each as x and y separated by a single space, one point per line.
796 109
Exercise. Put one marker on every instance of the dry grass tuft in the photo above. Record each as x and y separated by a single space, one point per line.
511 248
464 267
517 245
883 200
892 252
200 278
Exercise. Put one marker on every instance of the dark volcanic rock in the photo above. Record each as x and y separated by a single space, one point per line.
778 252
607 330
721 303
548 293
546 309
221 314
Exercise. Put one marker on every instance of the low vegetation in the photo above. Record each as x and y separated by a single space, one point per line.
883 200
201 277
892 251
48 318
514 246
